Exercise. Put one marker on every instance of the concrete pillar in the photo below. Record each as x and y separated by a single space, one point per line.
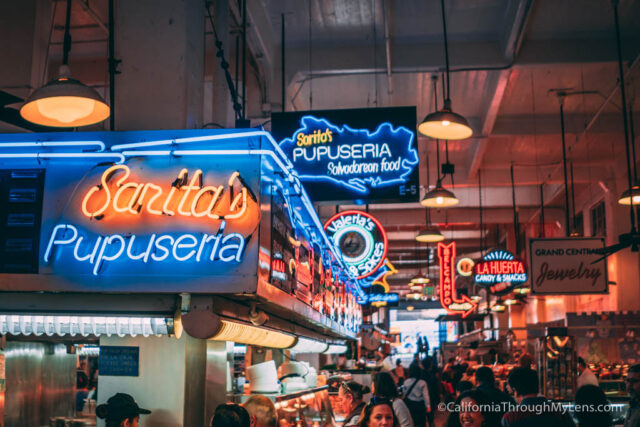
26 24
218 384
171 380
161 45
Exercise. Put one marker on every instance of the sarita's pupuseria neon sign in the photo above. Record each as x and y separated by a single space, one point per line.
118 199
358 160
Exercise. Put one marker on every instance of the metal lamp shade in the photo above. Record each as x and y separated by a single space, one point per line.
630 196
421 279
439 197
429 234
65 102
445 124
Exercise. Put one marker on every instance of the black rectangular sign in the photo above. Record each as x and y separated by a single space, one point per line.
359 155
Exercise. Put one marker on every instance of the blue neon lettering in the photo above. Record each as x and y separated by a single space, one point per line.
239 247
179 245
101 255
54 241
91 255
141 255
164 250
115 248
356 159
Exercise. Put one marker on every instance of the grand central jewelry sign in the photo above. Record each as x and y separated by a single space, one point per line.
566 266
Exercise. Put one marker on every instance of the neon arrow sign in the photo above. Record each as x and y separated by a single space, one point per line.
448 296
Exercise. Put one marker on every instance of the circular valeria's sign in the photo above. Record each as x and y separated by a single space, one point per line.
361 240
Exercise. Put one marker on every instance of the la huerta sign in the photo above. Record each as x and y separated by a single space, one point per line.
352 155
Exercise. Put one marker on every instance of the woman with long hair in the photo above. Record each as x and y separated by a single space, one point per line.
384 387
378 413
121 410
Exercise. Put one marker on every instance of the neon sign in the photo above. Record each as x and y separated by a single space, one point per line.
500 267
448 295
358 161
465 267
383 300
119 202
132 197
361 239
155 248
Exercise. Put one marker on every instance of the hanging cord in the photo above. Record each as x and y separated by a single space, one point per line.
434 79
375 48
541 232
632 135
446 51
66 47
310 60
113 66
43 81
573 201
225 67
584 114
482 243
624 111
427 212
446 147
244 59
516 222
564 166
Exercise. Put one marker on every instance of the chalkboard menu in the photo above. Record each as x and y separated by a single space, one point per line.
119 361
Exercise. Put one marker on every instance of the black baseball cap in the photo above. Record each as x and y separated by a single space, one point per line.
122 405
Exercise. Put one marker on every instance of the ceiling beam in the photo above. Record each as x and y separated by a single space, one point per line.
471 215
513 41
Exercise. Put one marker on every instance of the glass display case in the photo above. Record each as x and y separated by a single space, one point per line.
305 408
557 364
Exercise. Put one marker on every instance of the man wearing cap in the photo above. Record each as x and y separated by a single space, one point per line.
121 410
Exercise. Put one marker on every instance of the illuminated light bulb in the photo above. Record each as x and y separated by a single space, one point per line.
439 197
631 196
446 123
65 109
65 102
410 308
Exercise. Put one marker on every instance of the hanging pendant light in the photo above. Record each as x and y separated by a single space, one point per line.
430 234
420 279
65 102
439 197
630 196
445 123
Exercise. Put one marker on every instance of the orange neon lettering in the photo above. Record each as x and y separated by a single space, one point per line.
192 186
131 197
165 207
158 190
106 176
214 200
234 204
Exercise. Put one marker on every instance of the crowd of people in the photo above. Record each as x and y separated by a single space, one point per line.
468 399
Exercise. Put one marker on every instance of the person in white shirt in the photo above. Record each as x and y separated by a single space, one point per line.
384 387
417 396
586 375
